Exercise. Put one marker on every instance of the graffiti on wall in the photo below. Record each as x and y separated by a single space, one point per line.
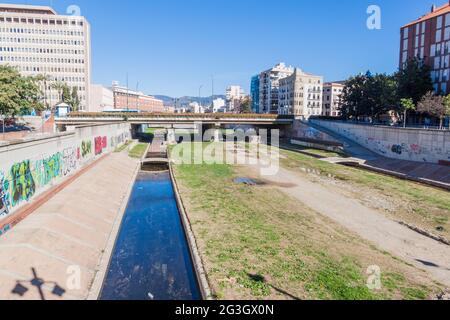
86 148
47 169
21 181
23 186
4 195
69 160
101 143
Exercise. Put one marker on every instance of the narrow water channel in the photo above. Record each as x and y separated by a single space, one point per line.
151 259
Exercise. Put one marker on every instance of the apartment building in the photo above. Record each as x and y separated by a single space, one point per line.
234 94
126 99
428 39
300 94
38 41
332 92
269 83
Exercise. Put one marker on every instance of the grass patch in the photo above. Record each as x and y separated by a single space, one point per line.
257 243
138 151
122 147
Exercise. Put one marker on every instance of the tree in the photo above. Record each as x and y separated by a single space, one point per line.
18 94
407 105
446 103
433 105
368 96
246 105
414 80
74 99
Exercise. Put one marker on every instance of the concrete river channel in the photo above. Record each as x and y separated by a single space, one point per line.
151 259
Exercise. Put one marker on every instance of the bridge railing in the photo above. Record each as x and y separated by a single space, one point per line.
209 116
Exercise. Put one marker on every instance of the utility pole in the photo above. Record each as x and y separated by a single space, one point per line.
212 91
200 95
137 100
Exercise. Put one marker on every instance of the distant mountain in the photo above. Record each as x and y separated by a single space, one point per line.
184 101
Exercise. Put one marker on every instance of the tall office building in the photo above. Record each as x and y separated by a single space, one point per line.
38 41
268 87
428 38
300 94
254 93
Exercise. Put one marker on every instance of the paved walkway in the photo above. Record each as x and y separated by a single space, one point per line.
415 170
66 235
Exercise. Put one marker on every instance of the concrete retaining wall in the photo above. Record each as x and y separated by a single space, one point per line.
32 166
418 145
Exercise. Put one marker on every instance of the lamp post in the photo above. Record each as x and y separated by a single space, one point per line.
3 127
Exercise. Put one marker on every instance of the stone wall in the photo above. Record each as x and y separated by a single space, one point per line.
418 145
31 166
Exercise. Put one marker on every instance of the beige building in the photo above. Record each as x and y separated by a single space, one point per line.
102 98
234 95
300 94
38 41
269 82
332 92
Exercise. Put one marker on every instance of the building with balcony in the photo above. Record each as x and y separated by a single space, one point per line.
332 92
300 94
234 94
428 39
38 41
126 99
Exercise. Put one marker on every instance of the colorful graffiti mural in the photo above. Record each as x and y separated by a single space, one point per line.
4 195
101 143
47 169
23 186
21 181
86 148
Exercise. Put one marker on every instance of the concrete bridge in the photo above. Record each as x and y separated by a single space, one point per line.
171 122
76 119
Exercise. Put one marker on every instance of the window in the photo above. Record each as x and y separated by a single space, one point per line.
439 22
423 27
447 33
438 36
447 20
405 33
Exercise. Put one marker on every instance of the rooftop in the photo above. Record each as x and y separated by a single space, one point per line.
434 13
19 8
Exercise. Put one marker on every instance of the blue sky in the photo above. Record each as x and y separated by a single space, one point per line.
173 46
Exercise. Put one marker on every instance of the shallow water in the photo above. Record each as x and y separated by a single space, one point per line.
151 259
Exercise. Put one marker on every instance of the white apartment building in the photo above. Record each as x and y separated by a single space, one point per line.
102 98
332 92
300 94
269 82
195 107
38 41
234 94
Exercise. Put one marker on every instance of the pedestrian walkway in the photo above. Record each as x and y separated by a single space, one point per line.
55 252
424 172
